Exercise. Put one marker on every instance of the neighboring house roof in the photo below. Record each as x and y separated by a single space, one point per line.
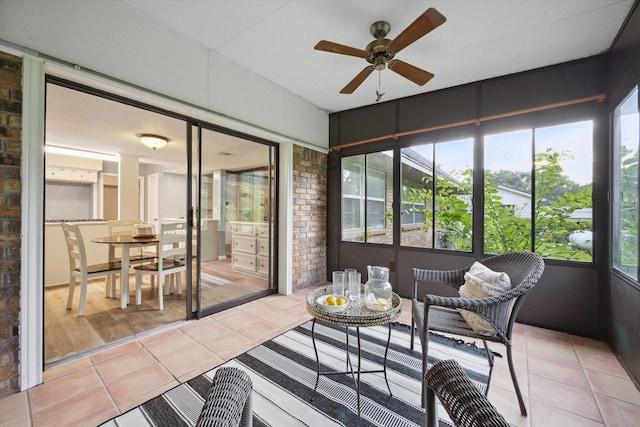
421 166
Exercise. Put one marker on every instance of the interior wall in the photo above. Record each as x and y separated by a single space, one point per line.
140 47
568 296
624 295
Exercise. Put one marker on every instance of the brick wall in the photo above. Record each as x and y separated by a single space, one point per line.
10 194
309 218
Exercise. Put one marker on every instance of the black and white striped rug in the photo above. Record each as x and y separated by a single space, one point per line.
283 372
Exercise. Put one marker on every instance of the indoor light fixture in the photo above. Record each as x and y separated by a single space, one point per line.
152 141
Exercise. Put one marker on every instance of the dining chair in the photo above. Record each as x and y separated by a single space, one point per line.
441 313
172 252
80 270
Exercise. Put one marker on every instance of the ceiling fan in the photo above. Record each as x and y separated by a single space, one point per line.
380 52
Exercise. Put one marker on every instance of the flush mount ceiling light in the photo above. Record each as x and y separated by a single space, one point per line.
153 141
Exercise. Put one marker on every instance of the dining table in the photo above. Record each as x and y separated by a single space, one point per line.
126 242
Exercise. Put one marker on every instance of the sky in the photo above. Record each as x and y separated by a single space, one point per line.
512 150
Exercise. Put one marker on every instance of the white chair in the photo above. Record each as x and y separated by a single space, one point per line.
80 270
172 253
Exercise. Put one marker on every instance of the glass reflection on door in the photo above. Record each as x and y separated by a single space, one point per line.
234 189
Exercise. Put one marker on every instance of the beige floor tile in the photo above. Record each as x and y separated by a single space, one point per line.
181 355
506 403
543 415
602 361
160 336
281 302
61 389
613 386
259 310
14 408
238 320
80 409
66 368
255 330
548 335
142 382
115 352
560 351
582 344
227 344
564 396
617 413
551 368
213 331
120 366
501 377
282 319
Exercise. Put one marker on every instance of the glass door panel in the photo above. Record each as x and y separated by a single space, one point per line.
234 212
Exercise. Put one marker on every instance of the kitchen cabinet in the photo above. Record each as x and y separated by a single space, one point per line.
71 175
250 248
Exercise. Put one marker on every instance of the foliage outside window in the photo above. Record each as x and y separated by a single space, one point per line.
559 209
537 193
624 203
367 193
437 191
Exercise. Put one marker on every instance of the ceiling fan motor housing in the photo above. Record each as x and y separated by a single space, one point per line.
379 54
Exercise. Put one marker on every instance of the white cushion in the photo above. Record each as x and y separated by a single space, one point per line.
482 282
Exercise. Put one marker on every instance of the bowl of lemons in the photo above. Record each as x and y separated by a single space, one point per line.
332 303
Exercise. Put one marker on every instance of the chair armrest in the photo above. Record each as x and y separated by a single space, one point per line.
458 302
453 278
464 403
229 400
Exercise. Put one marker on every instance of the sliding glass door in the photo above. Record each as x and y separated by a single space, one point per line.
234 194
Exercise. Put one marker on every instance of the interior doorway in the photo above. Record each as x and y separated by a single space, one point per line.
101 163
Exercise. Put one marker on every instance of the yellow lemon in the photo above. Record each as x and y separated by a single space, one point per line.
331 298
340 301
382 302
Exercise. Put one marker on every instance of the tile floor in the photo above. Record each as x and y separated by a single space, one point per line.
567 380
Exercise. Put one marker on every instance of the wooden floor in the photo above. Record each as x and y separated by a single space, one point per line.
105 322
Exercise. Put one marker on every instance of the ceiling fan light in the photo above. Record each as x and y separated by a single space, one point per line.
153 141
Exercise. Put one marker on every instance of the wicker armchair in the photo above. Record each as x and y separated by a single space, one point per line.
229 401
466 406
439 313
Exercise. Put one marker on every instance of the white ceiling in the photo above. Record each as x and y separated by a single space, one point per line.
481 39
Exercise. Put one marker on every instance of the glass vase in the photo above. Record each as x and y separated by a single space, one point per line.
377 291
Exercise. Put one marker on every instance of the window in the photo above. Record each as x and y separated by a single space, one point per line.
624 200
367 218
554 200
436 195
536 195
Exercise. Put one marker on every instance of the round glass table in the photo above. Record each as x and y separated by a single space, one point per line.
355 315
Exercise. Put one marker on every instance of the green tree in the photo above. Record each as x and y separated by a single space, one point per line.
628 228
507 230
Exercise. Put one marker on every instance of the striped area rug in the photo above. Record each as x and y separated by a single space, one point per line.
283 372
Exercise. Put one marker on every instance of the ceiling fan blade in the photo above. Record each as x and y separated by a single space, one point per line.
408 71
428 21
357 81
340 48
